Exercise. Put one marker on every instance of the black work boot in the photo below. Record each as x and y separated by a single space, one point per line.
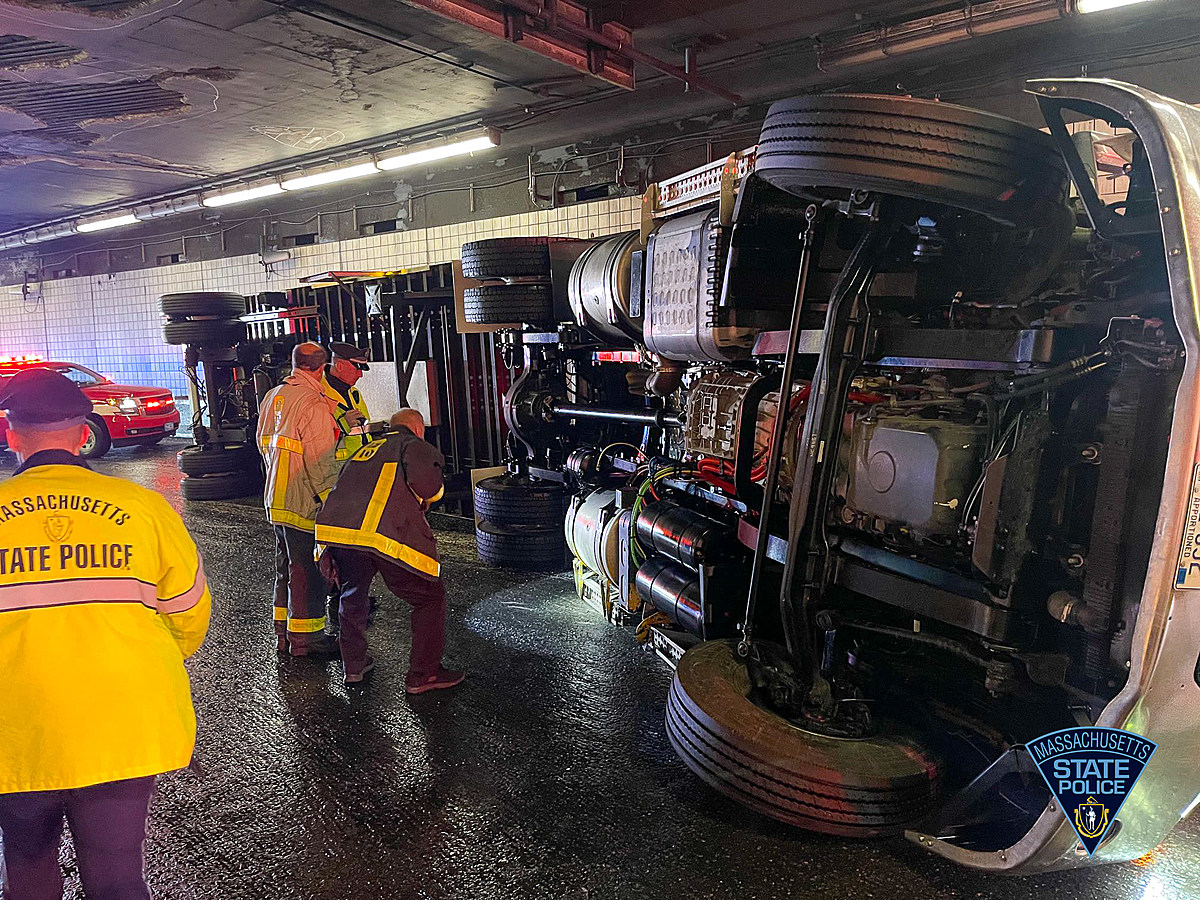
321 645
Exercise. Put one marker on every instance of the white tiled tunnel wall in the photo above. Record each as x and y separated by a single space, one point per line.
111 323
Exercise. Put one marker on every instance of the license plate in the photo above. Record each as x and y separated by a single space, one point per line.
169 427
1188 575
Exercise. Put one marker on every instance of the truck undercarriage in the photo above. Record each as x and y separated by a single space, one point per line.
886 430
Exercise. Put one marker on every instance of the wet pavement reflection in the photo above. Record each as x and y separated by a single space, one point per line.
546 775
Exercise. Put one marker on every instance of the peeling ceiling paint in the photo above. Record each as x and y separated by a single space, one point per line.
157 94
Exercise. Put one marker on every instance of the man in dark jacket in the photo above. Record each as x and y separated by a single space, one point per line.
374 521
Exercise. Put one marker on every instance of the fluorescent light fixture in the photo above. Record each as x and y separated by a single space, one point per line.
441 151
1090 6
241 195
102 224
472 140
329 176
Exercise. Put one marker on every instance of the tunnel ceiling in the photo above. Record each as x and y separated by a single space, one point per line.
105 101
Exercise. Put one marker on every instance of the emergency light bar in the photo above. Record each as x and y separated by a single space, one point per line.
25 358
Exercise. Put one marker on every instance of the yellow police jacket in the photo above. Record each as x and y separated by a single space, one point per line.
350 439
102 597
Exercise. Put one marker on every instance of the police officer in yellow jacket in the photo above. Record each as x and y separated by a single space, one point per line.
298 436
346 367
102 597
374 521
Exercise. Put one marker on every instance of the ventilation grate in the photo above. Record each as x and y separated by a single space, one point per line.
20 52
72 104
63 133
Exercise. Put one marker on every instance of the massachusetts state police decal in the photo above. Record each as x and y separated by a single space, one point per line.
1091 772
57 527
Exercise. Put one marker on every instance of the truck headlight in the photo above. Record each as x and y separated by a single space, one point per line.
128 406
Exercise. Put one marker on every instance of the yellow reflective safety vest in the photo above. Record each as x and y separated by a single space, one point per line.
350 439
297 436
379 502
102 597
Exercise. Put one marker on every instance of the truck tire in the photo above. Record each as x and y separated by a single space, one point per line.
186 305
98 440
522 547
506 257
226 486
499 304
914 148
505 500
205 332
853 788
218 459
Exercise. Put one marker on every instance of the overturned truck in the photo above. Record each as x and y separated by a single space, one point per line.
887 440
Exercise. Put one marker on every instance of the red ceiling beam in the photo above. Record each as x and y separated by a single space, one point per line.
563 30
511 24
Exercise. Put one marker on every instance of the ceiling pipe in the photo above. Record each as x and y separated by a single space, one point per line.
159 209
973 20
633 54
507 23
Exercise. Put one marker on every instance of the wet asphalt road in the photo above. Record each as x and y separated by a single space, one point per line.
546 775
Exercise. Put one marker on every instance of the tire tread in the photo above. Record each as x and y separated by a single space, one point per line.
913 148
873 787
499 304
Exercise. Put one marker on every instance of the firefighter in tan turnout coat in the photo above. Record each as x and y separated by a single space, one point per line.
298 437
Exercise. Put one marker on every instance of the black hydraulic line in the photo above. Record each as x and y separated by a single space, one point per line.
778 431
1055 377
660 418
818 443
918 637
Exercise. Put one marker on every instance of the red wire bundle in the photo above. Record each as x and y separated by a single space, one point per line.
715 471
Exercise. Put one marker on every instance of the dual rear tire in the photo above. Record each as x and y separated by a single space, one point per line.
501 300
519 523
203 318
219 471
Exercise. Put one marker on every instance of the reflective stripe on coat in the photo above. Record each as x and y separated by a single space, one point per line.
377 504
102 596
297 436
350 440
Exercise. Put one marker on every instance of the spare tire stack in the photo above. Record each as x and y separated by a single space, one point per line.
222 463
203 319
516 285
219 471
518 523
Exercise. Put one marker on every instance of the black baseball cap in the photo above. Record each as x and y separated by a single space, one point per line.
44 400
350 353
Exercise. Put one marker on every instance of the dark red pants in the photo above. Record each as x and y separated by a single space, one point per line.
427 597
108 825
